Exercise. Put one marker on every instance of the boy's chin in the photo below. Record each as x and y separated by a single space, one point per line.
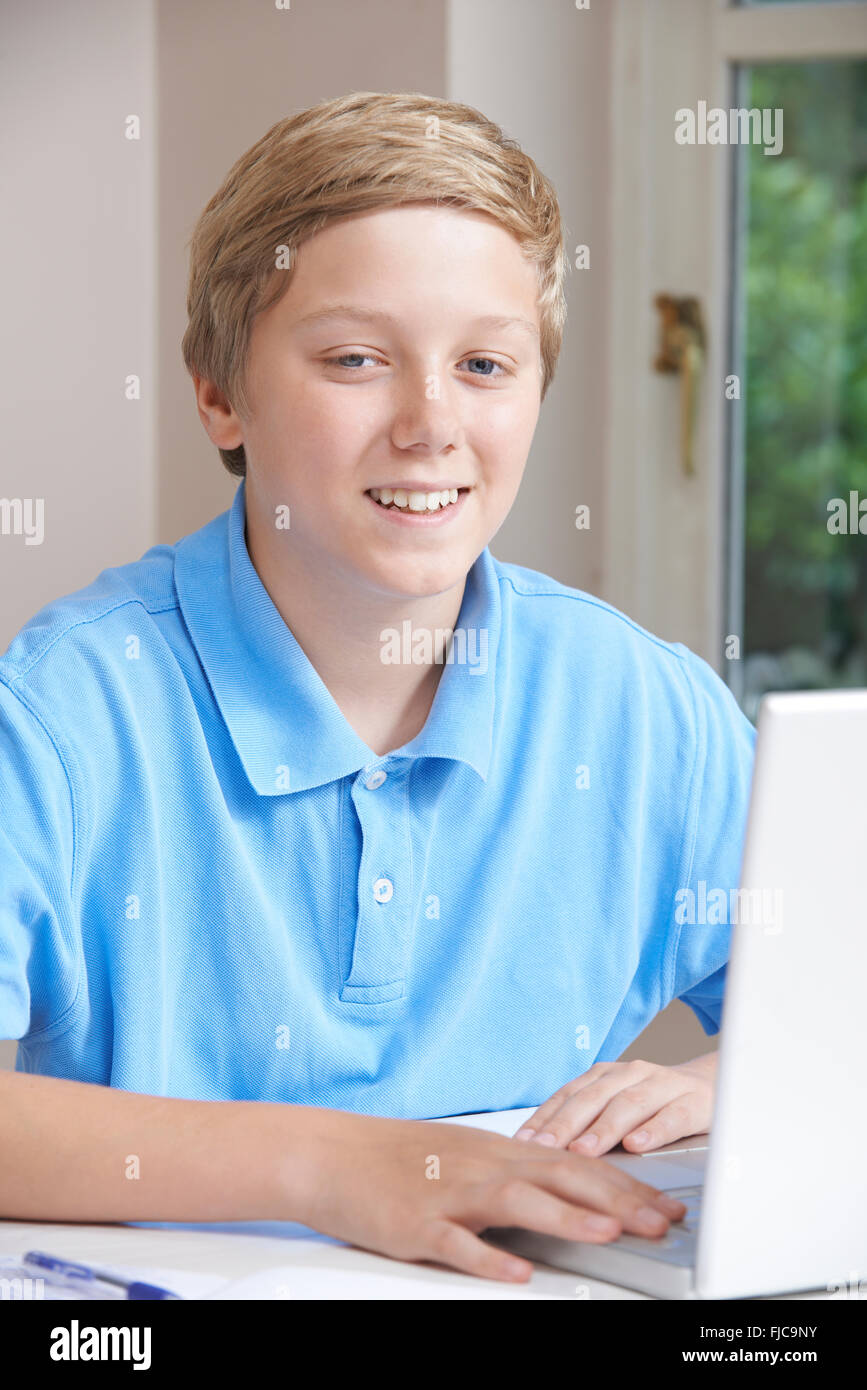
421 577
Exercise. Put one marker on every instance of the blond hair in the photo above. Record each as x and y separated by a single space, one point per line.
347 155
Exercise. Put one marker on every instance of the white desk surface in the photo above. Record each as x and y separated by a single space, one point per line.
281 1260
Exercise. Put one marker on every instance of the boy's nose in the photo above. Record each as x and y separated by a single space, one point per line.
426 416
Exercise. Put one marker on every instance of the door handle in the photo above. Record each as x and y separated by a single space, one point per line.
681 349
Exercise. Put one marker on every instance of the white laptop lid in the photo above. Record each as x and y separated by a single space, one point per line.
785 1196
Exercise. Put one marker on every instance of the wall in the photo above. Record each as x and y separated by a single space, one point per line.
77 289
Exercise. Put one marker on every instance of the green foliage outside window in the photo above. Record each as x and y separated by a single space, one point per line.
805 382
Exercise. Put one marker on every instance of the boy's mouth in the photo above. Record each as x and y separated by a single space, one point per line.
415 500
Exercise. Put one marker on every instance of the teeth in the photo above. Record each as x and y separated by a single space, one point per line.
414 501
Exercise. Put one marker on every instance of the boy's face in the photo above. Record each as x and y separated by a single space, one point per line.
431 392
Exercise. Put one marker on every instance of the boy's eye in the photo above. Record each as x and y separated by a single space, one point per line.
348 361
347 357
489 362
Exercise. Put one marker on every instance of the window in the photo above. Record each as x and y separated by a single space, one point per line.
798 580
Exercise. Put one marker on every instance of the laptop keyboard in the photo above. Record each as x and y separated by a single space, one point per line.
678 1244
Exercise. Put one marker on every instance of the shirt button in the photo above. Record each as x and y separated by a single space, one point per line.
383 889
375 779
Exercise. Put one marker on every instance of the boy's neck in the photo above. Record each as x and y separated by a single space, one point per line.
339 628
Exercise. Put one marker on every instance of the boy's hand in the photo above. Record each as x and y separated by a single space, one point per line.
639 1104
424 1190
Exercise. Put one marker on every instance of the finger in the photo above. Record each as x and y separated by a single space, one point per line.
537 1120
604 1187
683 1115
523 1202
453 1245
629 1111
581 1109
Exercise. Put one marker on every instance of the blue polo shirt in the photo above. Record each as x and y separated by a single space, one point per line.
211 887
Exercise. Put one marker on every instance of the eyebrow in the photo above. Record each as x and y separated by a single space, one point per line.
358 313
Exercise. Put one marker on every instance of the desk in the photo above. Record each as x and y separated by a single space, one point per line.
281 1260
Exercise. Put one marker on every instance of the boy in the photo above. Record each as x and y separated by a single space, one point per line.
323 804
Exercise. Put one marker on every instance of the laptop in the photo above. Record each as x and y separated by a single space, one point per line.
776 1195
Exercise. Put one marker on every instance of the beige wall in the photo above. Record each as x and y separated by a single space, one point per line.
102 225
78 236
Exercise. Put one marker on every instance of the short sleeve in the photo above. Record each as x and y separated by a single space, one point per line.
38 956
725 749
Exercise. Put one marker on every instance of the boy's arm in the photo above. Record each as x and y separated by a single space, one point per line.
73 1151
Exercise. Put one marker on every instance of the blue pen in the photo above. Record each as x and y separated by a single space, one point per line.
88 1280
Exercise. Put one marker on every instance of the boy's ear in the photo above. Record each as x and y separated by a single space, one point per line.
218 416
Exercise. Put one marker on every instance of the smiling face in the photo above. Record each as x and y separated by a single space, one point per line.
403 357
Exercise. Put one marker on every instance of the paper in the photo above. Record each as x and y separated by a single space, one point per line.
292 1283
506 1122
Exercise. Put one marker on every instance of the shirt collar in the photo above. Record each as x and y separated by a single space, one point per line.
288 731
